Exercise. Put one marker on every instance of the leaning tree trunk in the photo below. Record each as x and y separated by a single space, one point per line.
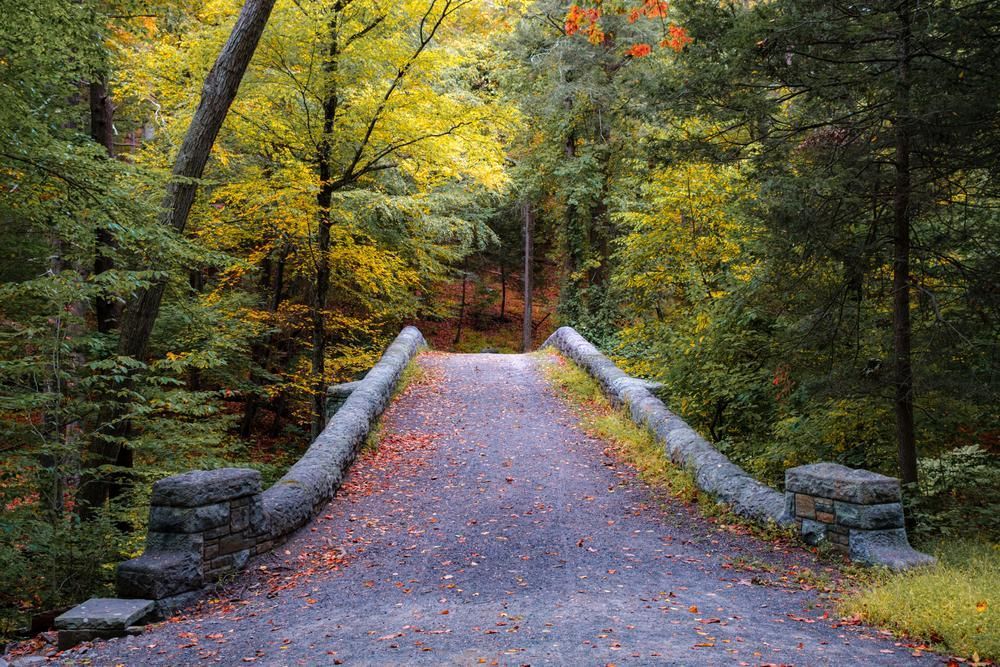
527 333
217 95
902 214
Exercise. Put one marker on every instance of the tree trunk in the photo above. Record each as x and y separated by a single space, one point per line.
217 95
106 311
137 322
503 290
902 214
529 233
324 200
461 307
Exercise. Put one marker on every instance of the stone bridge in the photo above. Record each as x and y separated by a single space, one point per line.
489 529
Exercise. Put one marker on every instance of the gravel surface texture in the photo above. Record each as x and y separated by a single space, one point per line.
488 528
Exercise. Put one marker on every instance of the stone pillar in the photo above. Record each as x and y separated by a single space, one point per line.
859 513
202 525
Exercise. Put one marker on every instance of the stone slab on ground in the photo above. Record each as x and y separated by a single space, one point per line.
105 614
27 661
100 617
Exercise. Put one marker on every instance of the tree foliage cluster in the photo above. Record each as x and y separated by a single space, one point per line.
791 220
345 185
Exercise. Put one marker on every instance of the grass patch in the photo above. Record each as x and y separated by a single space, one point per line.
636 445
413 374
503 340
953 605
640 448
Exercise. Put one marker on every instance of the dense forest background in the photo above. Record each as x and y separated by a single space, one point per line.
786 211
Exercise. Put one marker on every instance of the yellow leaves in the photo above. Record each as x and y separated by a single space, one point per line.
981 606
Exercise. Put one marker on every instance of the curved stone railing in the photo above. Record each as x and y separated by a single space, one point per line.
311 482
712 470
205 524
856 511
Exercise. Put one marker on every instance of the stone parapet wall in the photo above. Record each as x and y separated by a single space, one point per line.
858 512
712 470
206 524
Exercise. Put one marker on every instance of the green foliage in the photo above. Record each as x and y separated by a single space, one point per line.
45 566
958 489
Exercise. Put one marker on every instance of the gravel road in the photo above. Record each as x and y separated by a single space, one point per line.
488 528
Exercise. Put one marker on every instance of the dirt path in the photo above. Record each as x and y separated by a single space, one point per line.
489 529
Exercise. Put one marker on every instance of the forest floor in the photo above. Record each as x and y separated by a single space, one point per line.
490 322
489 528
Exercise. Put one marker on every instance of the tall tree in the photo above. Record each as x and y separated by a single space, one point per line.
218 92
528 328
828 96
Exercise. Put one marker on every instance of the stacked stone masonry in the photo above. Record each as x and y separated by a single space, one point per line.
202 525
206 524
857 511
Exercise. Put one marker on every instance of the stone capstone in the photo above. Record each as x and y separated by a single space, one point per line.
837 482
205 487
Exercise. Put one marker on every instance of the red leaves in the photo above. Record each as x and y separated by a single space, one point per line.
655 9
678 38
397 454
639 50
586 20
